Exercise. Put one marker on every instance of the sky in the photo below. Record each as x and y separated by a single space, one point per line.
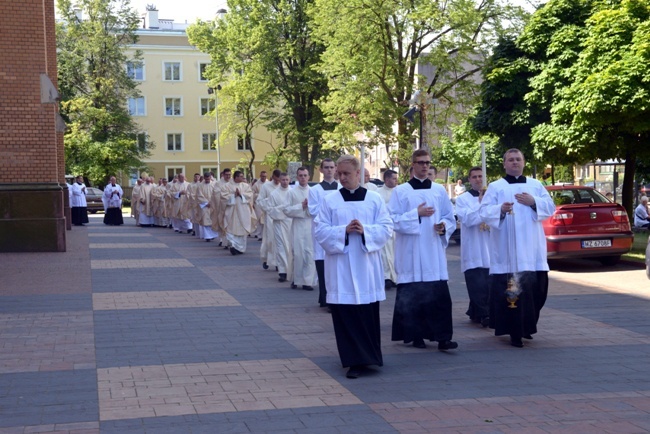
182 10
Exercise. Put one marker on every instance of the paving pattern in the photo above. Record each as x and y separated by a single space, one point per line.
143 330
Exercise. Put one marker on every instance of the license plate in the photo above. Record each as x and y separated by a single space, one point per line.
590 244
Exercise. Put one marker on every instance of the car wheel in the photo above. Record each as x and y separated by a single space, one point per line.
608 261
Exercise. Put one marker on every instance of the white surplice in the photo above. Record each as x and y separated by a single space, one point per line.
517 242
419 250
316 195
475 234
353 270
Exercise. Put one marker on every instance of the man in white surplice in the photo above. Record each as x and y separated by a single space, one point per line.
267 251
424 221
514 208
281 227
352 226
239 218
316 195
474 248
388 252
304 268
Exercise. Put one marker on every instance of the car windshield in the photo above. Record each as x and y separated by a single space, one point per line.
577 195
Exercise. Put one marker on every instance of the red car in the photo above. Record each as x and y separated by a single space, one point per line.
586 225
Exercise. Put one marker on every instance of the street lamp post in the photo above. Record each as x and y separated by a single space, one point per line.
216 119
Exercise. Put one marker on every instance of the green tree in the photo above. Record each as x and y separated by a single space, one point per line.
376 53
102 139
592 59
270 40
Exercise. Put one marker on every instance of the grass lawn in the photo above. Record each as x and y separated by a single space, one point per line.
637 253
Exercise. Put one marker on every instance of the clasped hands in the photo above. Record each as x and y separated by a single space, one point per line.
522 198
354 226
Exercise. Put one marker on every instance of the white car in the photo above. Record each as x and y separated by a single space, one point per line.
647 259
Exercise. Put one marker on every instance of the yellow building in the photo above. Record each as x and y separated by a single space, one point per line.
176 107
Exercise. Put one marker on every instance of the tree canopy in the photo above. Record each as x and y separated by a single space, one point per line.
102 138
377 53
269 41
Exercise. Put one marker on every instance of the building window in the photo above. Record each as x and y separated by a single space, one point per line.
213 169
202 68
172 71
173 107
135 70
208 141
243 145
137 106
141 140
174 141
173 171
207 106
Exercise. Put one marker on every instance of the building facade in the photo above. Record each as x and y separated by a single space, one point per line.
176 108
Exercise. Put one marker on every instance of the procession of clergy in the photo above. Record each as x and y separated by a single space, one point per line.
356 240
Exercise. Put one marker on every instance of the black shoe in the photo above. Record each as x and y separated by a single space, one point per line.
307 288
485 321
233 251
354 372
207 240
283 277
388 284
264 265
220 243
419 343
193 233
294 286
516 342
529 337
447 345
189 231
276 268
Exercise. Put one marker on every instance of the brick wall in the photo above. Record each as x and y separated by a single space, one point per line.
30 149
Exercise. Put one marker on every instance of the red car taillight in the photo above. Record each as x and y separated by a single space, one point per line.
562 218
620 216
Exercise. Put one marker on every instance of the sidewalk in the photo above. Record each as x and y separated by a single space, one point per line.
143 330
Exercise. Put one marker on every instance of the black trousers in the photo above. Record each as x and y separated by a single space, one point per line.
322 291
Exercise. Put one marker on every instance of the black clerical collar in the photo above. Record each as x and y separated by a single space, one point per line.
329 186
473 192
357 195
515 180
420 185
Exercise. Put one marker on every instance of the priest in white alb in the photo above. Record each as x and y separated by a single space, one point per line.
145 203
304 268
267 250
203 196
239 216
388 252
514 207
352 226
281 227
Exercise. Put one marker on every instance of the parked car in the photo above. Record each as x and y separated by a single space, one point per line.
586 225
94 200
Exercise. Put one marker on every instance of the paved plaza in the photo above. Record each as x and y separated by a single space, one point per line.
143 330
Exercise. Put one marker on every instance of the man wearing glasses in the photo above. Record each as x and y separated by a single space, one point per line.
424 221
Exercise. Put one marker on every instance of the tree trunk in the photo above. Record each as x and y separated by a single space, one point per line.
628 180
